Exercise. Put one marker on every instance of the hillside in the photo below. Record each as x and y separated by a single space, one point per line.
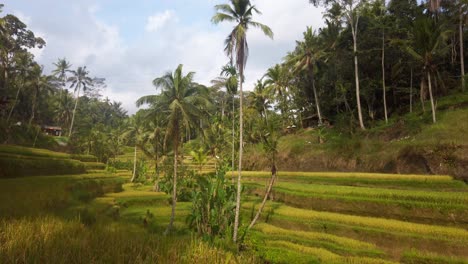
407 144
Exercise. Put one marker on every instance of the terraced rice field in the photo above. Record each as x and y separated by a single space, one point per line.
359 218
310 218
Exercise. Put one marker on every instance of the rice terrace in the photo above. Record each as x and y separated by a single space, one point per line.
234 131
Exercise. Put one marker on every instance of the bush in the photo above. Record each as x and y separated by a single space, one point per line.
213 203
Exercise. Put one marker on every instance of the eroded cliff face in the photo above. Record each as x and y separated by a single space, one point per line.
441 159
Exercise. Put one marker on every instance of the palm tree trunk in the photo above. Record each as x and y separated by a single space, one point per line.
316 100
239 169
74 111
462 56
421 95
174 185
267 194
383 78
233 139
156 170
411 92
432 98
356 74
14 104
134 164
33 107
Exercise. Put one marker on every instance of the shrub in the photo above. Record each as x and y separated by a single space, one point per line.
213 203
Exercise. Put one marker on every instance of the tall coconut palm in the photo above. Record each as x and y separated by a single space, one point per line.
429 45
180 100
236 47
135 133
259 99
276 81
230 81
462 20
24 64
350 11
153 137
62 67
39 84
305 58
79 80
64 109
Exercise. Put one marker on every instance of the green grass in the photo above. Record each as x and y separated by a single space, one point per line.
17 161
94 165
287 252
371 223
21 166
32 196
53 240
439 198
336 244
395 181
417 257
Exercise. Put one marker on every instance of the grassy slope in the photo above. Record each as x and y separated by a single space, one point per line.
17 161
90 218
408 144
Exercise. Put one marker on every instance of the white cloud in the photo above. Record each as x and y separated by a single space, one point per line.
159 20
129 64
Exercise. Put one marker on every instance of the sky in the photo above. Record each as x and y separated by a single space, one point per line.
130 43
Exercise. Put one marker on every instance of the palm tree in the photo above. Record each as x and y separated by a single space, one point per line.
462 20
135 132
259 99
230 81
79 80
241 13
39 83
180 100
231 86
276 83
62 67
350 11
64 109
428 46
24 64
305 58
152 138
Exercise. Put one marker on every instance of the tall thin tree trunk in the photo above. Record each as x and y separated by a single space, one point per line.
316 100
156 170
267 194
356 74
384 90
421 94
462 56
233 139
241 147
134 164
411 92
174 185
33 107
14 104
74 111
432 98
